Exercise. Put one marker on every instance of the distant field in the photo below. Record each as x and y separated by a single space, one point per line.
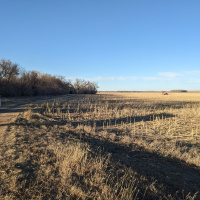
111 145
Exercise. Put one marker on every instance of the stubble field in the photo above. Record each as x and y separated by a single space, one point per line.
104 146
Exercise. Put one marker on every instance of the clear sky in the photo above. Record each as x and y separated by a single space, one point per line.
121 44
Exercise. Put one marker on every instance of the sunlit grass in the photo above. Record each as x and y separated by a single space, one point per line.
83 148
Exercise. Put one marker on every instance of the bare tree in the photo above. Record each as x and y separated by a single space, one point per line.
8 74
85 87
14 82
8 70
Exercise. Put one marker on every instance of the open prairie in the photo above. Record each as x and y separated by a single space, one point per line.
106 146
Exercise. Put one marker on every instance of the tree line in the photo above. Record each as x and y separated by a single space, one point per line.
17 82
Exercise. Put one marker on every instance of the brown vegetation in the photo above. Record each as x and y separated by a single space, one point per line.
178 91
106 146
33 83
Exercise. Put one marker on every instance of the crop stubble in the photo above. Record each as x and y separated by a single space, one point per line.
104 146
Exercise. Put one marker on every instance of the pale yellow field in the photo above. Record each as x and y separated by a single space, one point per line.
105 146
157 96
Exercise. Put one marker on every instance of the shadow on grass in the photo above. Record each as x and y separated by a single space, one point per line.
127 120
92 123
10 110
15 105
169 173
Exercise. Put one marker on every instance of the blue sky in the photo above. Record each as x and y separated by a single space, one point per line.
123 45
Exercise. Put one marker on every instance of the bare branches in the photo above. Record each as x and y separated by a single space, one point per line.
33 83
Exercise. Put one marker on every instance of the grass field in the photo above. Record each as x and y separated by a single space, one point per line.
105 146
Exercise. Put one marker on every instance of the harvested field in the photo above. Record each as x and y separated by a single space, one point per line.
104 146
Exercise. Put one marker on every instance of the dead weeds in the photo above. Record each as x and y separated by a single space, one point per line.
103 147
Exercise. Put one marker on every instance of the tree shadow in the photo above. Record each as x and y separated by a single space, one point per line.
171 173
15 106
124 120
10 110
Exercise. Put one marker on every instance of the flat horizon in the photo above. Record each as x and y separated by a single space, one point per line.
122 45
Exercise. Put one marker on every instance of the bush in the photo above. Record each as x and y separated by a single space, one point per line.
33 83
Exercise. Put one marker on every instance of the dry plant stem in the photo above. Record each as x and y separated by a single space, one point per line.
105 146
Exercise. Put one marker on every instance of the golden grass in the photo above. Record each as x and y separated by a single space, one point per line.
105 146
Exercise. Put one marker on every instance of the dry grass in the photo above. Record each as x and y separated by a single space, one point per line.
106 146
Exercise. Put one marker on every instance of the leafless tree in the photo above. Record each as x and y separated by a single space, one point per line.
8 74
32 83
